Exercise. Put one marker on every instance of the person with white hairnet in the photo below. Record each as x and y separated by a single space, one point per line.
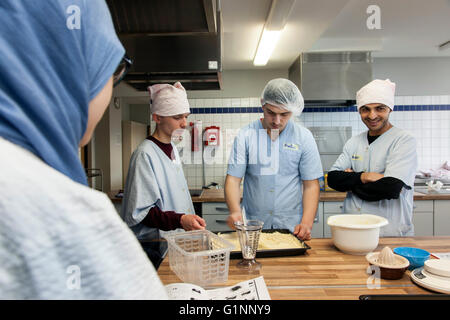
280 164
156 194
378 166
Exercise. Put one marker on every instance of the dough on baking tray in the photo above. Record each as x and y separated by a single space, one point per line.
267 241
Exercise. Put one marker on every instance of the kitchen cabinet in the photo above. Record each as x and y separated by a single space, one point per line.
215 215
317 230
431 214
423 218
430 217
441 217
330 208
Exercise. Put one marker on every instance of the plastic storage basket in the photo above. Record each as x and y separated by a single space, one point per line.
200 257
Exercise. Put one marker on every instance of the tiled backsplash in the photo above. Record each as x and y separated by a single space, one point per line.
425 117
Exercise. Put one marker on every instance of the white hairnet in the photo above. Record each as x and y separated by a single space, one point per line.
168 100
284 94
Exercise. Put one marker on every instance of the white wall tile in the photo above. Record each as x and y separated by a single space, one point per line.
444 100
236 102
426 100
431 129
255 102
435 99
226 103
399 100
210 102
408 100
199 102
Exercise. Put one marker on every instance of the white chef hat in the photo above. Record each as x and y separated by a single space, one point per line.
376 91
168 100
284 94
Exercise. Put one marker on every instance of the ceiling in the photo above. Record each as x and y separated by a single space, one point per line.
409 28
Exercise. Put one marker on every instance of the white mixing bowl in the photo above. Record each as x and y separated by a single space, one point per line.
356 234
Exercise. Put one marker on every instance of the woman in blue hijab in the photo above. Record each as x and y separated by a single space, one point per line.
60 239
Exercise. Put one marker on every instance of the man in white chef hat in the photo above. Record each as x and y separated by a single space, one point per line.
377 167
156 194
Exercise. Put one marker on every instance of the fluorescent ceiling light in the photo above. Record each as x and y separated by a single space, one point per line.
275 22
266 45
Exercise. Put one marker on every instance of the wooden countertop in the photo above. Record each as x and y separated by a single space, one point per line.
422 196
217 195
324 272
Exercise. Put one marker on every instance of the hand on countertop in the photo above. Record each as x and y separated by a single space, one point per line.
303 231
192 222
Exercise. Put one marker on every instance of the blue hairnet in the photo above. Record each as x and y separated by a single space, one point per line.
284 94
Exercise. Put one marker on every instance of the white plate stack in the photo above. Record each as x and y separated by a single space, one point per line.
434 275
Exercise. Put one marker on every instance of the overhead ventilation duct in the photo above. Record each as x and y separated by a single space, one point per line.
171 40
331 78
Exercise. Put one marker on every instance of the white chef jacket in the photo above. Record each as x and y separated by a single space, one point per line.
154 180
393 154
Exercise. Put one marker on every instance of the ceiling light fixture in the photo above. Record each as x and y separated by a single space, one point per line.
276 20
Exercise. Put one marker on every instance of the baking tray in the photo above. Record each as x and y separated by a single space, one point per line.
267 253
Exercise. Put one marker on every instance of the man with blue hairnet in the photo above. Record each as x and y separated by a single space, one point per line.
280 164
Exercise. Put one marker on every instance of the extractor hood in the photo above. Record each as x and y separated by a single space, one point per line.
331 78
171 40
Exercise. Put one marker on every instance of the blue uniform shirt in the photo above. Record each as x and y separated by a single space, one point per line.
273 172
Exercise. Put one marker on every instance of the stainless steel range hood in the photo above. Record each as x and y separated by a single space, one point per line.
171 40
331 78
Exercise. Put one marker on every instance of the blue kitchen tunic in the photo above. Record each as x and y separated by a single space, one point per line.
153 180
273 172
393 154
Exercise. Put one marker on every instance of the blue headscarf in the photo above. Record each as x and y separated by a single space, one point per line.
55 57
